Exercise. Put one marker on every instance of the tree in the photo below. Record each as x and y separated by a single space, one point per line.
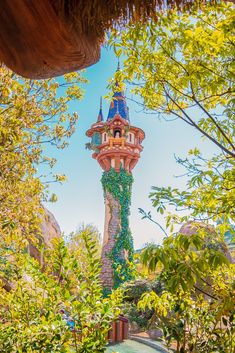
32 114
60 309
75 241
183 65
59 305
196 308
209 195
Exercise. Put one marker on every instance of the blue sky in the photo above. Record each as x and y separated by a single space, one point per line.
80 199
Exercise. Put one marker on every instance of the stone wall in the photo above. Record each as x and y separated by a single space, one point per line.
111 228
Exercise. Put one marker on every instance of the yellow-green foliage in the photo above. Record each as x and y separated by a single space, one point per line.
32 114
31 318
184 61
196 309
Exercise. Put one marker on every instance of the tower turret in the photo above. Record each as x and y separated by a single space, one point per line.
100 115
117 142
117 147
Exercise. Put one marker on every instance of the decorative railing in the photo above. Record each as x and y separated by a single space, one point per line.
117 141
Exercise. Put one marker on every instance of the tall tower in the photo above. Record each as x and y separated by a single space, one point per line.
117 147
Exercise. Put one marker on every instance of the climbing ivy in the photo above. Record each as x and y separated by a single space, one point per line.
119 185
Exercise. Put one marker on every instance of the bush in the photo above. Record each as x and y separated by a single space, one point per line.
133 291
32 313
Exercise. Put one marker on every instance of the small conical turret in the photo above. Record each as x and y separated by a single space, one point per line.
100 116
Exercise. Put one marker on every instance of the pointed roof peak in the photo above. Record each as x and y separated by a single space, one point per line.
100 116
118 65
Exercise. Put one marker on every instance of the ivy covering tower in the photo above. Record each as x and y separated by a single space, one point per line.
117 146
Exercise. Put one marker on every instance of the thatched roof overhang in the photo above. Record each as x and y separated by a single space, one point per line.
47 38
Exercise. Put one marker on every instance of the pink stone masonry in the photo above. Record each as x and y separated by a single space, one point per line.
112 227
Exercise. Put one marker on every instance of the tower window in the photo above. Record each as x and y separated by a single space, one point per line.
131 137
104 137
117 133
96 139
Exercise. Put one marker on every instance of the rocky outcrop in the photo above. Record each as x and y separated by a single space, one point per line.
193 227
50 230
50 227
209 231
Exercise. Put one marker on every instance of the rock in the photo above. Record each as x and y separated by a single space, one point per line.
50 230
154 334
134 327
193 227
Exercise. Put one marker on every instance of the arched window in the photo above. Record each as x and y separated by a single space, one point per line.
117 133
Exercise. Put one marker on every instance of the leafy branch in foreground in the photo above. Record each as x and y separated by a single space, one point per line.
196 309
183 65
148 215
33 114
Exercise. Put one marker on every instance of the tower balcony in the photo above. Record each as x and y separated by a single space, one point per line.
117 156
116 144
117 141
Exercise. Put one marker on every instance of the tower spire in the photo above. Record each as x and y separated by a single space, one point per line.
118 65
100 116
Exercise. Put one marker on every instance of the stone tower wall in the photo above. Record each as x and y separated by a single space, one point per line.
111 228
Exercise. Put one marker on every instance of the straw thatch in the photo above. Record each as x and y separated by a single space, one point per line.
46 38
96 16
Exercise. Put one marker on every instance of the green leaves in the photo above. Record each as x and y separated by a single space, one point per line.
186 258
119 185
183 64
198 298
32 114
44 299
41 305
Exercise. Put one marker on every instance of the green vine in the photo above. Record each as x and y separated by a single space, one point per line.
119 185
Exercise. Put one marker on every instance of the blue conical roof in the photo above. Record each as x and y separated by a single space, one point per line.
118 106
